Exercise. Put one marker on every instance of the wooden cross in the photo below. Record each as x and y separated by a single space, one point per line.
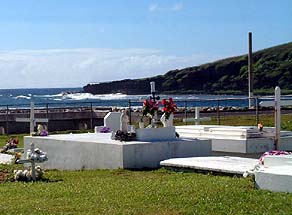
197 118
32 120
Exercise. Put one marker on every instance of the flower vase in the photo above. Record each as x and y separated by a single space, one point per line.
167 122
141 124
170 120
154 120
152 123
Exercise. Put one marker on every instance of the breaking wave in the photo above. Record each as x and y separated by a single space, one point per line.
86 96
22 97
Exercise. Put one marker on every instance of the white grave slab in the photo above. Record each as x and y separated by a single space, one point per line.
98 151
244 140
5 158
113 120
275 174
225 164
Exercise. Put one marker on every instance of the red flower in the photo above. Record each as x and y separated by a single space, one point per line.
149 107
168 107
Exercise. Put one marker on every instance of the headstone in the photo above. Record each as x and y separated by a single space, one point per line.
32 120
113 120
2 130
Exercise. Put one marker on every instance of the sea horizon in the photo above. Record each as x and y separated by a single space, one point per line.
75 96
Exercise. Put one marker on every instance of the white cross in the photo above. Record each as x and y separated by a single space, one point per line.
277 103
32 120
197 118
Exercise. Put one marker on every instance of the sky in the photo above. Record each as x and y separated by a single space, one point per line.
70 43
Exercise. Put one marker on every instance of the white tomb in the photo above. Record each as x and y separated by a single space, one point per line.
98 151
6 159
237 140
275 174
222 164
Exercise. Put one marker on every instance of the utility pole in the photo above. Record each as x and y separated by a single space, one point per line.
250 70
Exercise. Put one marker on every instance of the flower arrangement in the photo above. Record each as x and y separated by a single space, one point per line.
149 108
10 144
169 107
273 152
42 131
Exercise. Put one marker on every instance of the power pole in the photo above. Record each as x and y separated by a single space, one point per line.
250 70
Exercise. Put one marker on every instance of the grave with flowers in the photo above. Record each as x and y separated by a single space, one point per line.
153 132
118 145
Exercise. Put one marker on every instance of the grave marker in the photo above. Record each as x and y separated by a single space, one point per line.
32 120
113 121
277 103
197 118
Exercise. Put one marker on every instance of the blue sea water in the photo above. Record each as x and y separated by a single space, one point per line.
63 97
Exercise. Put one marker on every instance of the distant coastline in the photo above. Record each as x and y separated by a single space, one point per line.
272 67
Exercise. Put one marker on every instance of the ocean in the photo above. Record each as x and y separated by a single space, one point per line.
68 97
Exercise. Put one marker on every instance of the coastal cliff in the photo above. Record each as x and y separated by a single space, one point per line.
272 67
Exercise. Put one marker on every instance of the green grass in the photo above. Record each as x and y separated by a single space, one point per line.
139 192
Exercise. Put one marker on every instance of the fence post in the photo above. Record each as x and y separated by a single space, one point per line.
218 113
7 110
186 114
130 112
91 116
257 110
47 114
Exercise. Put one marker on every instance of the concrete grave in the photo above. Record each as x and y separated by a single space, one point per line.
275 174
224 164
98 151
237 140
6 159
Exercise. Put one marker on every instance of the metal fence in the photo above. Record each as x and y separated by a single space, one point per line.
228 111
86 115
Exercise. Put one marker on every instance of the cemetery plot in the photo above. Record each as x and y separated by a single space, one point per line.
226 164
238 140
99 151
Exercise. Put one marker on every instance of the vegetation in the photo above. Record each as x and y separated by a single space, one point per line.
139 192
272 67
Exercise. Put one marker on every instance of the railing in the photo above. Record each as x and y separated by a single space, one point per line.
218 109
221 110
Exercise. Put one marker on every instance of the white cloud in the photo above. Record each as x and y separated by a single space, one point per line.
177 6
77 67
174 7
153 7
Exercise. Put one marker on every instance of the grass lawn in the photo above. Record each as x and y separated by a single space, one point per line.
140 192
